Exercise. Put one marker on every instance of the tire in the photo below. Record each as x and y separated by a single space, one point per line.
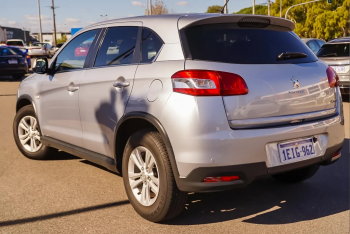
18 77
298 175
27 114
170 201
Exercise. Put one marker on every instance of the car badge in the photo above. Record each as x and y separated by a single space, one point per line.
295 80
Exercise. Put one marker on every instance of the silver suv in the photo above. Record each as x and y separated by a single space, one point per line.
184 103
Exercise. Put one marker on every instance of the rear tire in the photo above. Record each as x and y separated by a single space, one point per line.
166 201
298 175
26 132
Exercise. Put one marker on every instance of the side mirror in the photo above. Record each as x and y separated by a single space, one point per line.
40 65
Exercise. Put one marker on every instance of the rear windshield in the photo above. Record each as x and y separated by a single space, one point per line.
229 43
15 43
334 50
10 51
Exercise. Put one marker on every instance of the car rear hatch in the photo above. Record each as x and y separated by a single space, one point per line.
11 57
287 90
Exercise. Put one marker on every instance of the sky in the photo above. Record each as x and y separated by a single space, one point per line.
80 13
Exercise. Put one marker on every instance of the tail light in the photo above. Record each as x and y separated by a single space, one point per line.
333 78
28 57
208 83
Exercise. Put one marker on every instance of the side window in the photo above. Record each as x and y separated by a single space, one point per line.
118 46
74 54
151 45
313 46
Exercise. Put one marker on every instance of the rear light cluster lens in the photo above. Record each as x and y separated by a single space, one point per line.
208 83
333 78
220 179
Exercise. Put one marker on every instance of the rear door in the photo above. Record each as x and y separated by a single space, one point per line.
105 87
276 87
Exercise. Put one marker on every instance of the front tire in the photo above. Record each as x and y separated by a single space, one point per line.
148 178
298 175
26 132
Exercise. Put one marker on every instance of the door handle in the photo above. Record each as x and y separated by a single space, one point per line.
123 84
72 87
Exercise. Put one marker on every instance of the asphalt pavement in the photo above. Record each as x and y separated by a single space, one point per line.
72 195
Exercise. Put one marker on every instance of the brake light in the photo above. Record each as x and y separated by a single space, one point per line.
28 57
333 78
208 83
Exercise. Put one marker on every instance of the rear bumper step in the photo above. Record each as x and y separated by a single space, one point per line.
281 120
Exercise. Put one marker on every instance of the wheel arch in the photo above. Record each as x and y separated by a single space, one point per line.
24 100
133 122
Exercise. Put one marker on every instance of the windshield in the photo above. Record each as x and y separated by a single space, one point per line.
334 50
10 51
15 43
229 43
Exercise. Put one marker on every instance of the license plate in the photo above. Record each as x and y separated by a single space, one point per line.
296 151
13 61
339 69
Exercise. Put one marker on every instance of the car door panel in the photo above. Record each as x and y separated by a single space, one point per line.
101 103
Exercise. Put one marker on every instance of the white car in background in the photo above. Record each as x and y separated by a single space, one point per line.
16 42
39 49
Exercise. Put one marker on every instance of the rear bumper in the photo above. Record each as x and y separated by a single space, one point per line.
246 172
22 69
37 53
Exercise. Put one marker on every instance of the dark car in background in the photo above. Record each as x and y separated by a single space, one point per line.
313 43
337 55
13 62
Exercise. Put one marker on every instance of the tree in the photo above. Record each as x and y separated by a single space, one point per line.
62 40
259 10
214 9
159 8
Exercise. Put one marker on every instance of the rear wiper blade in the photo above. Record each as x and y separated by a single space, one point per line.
291 55
329 55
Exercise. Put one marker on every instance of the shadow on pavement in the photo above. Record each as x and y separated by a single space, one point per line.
61 214
10 79
267 201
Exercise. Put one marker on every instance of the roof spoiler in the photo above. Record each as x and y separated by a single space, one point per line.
256 21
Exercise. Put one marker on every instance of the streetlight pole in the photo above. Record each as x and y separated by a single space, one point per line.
280 8
226 7
41 32
253 7
300 5
150 7
54 23
269 7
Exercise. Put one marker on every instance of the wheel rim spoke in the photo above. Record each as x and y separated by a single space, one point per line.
135 183
24 126
25 140
136 161
134 176
32 144
145 195
155 180
154 187
22 137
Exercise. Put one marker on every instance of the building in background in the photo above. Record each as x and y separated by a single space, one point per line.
7 33
48 37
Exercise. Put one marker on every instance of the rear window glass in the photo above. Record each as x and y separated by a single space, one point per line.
334 50
10 51
16 43
39 44
229 43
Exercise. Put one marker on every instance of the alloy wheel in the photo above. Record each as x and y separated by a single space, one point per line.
143 176
28 133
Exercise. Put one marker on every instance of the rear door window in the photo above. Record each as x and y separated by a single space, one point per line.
151 45
118 46
229 43
334 50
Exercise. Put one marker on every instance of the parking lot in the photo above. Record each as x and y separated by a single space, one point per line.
72 195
